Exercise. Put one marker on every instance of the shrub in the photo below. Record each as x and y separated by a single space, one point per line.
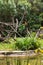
41 36
27 43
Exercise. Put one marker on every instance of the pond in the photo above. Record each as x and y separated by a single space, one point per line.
21 60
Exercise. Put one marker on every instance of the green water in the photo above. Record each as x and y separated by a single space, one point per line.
21 61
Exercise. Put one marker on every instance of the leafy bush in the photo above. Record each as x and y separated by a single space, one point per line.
6 11
16 8
27 44
21 44
41 36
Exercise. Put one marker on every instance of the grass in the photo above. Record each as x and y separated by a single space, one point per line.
10 45
7 45
41 42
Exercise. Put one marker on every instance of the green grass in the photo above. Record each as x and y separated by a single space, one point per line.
7 45
10 45
41 42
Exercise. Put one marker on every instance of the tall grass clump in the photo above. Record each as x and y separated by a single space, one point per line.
28 43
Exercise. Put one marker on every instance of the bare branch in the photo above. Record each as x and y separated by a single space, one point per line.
8 24
16 27
22 18
15 31
13 21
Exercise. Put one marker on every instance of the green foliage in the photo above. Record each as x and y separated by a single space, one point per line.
41 36
27 43
7 45
16 8
21 44
6 11
41 42
21 28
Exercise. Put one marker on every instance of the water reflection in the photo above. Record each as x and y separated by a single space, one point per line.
21 60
